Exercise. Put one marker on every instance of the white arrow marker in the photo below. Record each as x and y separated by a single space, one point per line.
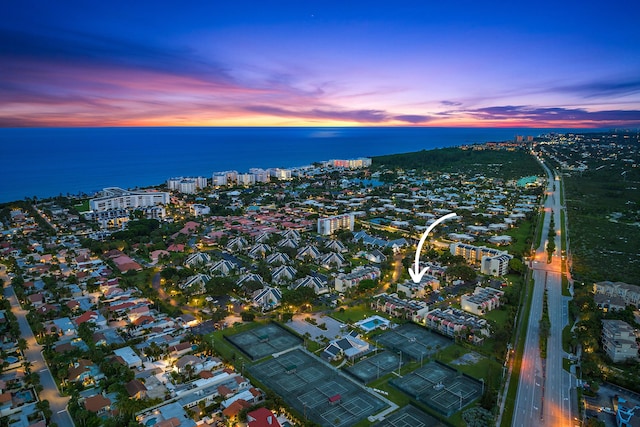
415 273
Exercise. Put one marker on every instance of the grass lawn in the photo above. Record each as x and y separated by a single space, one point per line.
82 207
498 316
566 338
566 364
481 369
353 314
565 286
521 236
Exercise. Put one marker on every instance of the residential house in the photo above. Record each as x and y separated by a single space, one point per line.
92 317
335 245
64 326
288 243
129 356
136 389
319 287
283 273
36 300
222 267
267 298
195 363
237 244
180 349
290 234
98 404
259 251
278 258
370 241
350 346
376 256
196 259
196 284
332 259
262 417
250 277
84 371
309 251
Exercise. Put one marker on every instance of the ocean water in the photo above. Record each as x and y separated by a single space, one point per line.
47 162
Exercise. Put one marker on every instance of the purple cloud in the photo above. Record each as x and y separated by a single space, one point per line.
363 116
556 114
412 118
602 88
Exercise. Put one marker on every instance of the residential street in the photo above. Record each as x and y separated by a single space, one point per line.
50 392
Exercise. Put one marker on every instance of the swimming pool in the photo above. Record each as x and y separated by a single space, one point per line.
373 322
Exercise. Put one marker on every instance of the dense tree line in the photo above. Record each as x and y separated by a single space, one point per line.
512 164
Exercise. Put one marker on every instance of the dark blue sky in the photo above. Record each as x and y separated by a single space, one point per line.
463 63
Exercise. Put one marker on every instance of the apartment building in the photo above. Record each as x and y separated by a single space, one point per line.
345 281
397 307
493 262
117 198
481 300
362 162
454 322
281 174
329 225
630 294
187 185
619 340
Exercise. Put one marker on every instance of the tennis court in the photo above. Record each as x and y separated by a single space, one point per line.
410 416
319 393
264 341
414 341
373 366
440 387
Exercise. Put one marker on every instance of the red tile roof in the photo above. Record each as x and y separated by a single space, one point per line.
262 417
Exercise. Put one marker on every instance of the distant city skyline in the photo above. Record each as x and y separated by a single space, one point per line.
320 63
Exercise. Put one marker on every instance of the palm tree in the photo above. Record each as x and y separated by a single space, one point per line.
43 406
22 345
189 370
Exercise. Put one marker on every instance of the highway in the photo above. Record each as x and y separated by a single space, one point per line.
58 403
544 388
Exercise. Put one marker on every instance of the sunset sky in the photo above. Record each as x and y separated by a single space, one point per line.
317 63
